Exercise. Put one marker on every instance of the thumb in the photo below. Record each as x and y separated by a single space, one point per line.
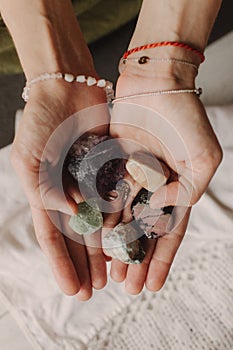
58 193
54 199
173 194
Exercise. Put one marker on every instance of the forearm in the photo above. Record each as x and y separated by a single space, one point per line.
47 36
180 20
184 21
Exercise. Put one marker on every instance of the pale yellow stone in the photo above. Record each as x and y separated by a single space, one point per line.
147 171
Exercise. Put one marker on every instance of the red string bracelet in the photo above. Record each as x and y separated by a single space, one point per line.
165 43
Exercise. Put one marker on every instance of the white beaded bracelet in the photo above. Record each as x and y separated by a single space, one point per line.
70 78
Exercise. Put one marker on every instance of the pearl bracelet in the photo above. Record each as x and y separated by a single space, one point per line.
198 92
70 78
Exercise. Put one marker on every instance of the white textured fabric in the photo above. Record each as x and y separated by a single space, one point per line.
193 311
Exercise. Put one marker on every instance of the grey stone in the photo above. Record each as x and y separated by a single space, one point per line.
122 243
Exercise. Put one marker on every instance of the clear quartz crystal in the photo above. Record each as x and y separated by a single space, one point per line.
122 243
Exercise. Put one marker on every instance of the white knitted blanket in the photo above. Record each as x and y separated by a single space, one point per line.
193 311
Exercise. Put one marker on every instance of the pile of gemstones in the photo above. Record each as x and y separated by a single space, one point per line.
99 167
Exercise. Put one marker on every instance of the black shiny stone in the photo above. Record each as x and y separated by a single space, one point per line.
143 59
168 210
143 197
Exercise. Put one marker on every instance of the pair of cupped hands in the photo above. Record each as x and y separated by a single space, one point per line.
174 128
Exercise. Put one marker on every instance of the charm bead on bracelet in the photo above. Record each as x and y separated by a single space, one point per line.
70 78
143 59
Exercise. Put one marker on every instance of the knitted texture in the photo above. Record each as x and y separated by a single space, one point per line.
193 311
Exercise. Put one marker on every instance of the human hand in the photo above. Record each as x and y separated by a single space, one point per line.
175 129
77 266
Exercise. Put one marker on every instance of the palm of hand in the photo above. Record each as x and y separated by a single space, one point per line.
175 129
75 267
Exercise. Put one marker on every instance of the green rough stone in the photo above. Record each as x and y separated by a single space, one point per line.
89 218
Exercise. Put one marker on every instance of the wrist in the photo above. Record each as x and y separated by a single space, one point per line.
184 21
163 63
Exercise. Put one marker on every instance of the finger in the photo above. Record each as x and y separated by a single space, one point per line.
63 196
78 253
113 208
42 182
110 221
127 215
170 195
54 247
193 180
71 190
41 191
179 191
136 274
118 270
134 189
165 251
79 258
54 199
96 260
